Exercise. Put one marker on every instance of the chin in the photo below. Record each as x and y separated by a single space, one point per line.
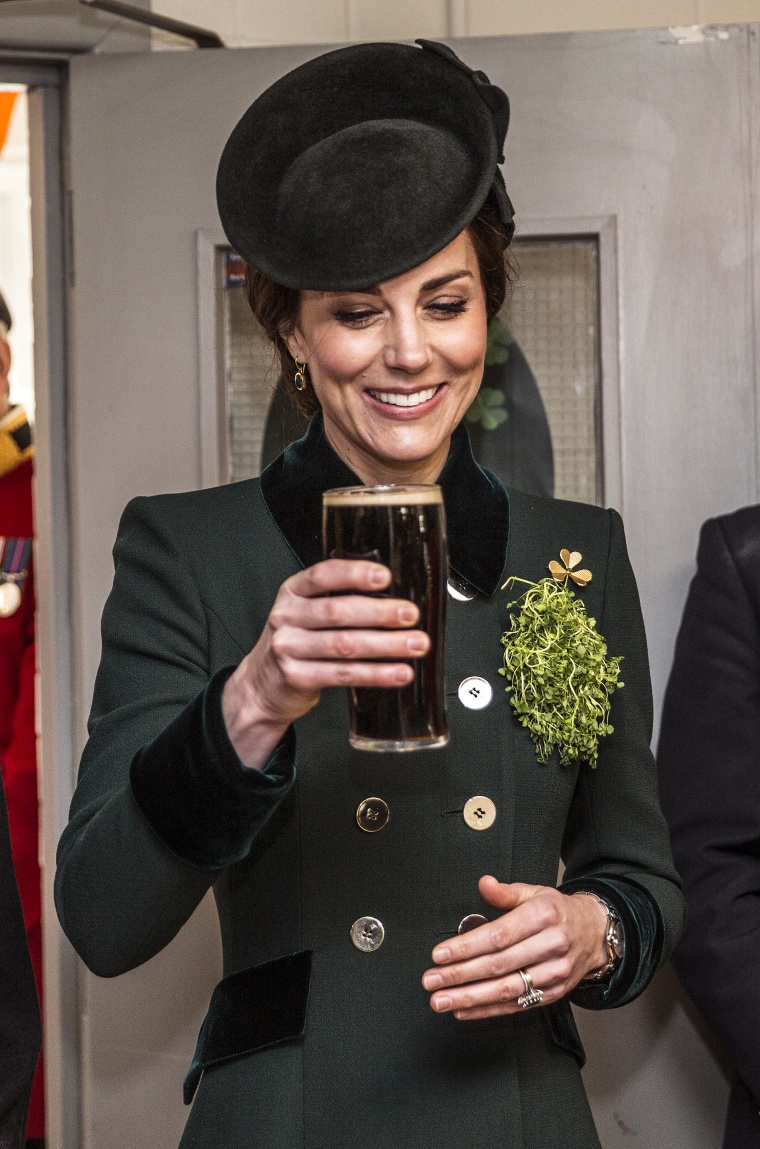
409 448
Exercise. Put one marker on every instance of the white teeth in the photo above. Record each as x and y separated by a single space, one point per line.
404 399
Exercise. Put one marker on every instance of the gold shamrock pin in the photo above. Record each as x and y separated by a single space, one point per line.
566 569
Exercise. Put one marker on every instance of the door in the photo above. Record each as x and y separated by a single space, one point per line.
631 140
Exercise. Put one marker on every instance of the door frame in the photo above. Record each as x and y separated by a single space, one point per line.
55 711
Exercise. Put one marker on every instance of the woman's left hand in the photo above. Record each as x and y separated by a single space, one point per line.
558 938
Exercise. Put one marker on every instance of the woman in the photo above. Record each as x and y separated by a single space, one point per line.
407 985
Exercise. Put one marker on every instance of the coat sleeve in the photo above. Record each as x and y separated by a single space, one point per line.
162 803
20 1030
19 767
709 761
616 839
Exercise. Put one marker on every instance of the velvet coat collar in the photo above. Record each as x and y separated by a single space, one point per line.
477 504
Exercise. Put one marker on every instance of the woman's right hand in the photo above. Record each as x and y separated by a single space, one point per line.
315 638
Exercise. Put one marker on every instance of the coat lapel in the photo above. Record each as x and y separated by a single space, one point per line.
477 504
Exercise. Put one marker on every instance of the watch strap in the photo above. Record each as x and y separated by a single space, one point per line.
613 956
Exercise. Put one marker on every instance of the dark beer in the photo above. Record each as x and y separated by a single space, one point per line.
404 528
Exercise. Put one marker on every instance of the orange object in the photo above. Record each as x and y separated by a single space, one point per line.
7 104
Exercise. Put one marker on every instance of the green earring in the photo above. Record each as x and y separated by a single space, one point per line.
300 377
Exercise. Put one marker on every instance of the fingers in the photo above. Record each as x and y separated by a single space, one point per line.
543 931
313 675
503 895
339 574
550 945
340 611
531 916
312 599
499 995
309 645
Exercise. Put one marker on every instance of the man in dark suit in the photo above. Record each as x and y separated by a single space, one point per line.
709 761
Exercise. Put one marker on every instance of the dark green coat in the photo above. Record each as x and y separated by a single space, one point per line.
163 810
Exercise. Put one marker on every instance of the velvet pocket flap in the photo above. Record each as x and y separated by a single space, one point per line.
251 1010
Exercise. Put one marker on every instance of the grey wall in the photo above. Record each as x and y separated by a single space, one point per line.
610 125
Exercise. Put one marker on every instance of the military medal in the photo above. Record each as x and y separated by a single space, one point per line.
14 562
10 598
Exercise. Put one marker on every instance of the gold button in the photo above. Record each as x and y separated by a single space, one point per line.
471 922
479 813
372 815
367 934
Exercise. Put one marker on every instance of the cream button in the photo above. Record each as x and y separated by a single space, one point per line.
479 813
367 934
372 815
459 589
471 922
475 693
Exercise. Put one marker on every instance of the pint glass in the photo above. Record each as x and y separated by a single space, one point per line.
403 527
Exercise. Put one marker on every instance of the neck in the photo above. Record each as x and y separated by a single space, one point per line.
375 472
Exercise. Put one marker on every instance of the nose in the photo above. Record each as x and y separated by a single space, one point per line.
406 348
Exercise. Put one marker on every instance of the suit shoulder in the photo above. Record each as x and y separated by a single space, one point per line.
209 508
739 527
209 500
540 528
558 513
207 524
735 538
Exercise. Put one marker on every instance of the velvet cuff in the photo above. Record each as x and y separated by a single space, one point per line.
197 795
251 1010
644 936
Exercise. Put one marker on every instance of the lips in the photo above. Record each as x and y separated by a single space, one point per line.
404 398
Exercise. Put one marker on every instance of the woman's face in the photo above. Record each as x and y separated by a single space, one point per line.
395 367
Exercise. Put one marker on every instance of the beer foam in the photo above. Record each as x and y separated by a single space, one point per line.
386 496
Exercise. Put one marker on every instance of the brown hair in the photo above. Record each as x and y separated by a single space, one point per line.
276 307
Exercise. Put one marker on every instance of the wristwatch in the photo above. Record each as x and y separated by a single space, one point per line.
614 940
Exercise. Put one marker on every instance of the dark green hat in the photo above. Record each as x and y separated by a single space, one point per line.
361 164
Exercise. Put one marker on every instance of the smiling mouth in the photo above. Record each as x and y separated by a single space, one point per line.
405 398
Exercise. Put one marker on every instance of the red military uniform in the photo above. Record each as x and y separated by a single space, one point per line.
18 751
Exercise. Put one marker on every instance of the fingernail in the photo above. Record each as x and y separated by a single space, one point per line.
441 953
432 981
402 675
407 614
378 576
442 1003
417 645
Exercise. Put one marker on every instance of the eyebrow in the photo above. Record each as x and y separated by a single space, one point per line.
442 280
431 285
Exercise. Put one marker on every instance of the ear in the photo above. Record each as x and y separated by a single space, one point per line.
296 343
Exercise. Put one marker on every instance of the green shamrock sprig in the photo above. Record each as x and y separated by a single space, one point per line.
487 408
560 679
498 342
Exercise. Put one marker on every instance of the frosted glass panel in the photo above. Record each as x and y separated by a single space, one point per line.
553 316
250 373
